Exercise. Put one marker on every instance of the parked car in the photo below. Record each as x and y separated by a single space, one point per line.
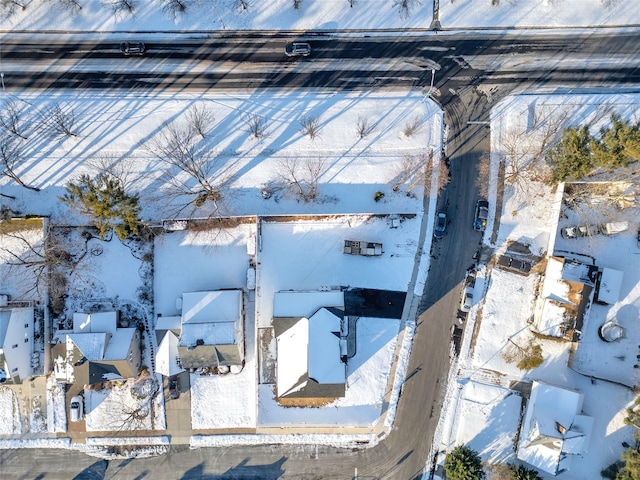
482 213
132 48
75 409
441 225
515 264
467 299
297 49
174 391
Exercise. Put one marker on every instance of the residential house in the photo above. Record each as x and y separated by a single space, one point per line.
16 341
311 351
554 428
96 350
212 329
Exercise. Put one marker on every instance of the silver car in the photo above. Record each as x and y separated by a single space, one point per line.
467 299
75 409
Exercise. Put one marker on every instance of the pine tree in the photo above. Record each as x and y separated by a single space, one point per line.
631 469
523 473
463 463
105 199
619 145
571 158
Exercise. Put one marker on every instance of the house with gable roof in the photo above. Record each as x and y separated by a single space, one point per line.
554 428
212 329
16 341
96 350
310 349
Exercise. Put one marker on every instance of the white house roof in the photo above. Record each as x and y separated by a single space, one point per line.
292 364
610 284
305 304
99 322
168 323
553 427
222 333
325 365
166 357
119 343
92 345
211 307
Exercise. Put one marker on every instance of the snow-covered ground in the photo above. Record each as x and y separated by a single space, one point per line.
318 15
480 409
115 275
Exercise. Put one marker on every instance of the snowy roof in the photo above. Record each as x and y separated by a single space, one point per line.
211 307
15 316
552 426
92 345
553 285
221 333
119 343
99 322
305 304
574 271
292 357
610 285
325 365
166 357
168 323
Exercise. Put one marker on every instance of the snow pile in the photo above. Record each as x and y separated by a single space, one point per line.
56 409
9 412
335 440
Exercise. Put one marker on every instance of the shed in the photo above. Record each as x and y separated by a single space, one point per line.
608 286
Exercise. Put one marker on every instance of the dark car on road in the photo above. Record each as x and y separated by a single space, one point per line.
441 225
297 49
482 213
130 48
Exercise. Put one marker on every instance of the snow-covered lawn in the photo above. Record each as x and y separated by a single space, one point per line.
320 15
128 405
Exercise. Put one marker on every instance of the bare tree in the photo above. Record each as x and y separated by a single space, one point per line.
301 176
524 148
256 124
42 257
405 7
74 6
310 126
133 410
200 117
59 119
363 127
11 119
174 8
242 5
418 169
10 7
120 7
10 159
412 126
195 178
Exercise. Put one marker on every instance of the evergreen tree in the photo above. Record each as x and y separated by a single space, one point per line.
105 199
631 469
463 463
523 473
619 145
571 158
